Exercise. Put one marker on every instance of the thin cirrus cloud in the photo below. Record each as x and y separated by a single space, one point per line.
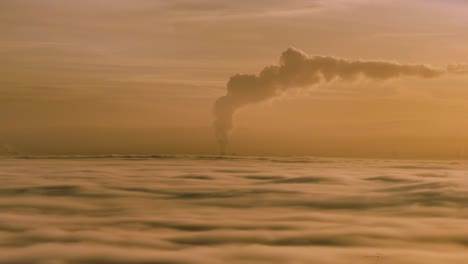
216 10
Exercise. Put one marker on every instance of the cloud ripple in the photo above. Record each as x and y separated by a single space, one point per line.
246 210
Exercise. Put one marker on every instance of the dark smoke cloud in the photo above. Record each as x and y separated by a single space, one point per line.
297 70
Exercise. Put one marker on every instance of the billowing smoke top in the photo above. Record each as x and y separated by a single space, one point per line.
297 70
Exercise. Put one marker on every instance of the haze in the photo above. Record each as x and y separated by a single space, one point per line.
140 77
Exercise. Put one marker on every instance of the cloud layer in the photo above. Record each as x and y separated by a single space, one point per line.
231 210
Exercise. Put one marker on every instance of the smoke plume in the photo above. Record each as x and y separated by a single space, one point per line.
297 70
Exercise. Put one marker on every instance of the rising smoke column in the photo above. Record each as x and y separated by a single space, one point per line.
297 70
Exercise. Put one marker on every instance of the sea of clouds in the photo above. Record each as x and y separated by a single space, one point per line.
178 210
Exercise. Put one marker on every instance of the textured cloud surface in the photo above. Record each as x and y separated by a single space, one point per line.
232 210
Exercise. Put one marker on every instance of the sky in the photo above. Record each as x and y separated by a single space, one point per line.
141 77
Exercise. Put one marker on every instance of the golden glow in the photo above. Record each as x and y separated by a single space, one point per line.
141 76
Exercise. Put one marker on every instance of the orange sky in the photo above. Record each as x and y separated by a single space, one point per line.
146 73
